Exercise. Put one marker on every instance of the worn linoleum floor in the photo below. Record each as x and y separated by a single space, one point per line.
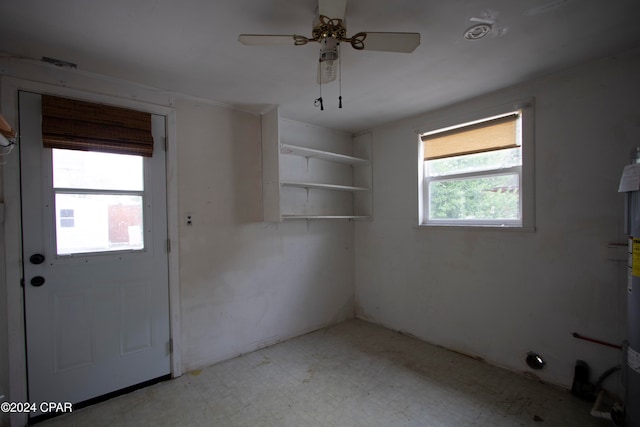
351 374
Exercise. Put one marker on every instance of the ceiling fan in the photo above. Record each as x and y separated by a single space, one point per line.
329 30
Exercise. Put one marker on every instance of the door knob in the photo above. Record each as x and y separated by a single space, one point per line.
37 281
36 259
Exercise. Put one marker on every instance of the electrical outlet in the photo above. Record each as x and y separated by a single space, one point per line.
188 218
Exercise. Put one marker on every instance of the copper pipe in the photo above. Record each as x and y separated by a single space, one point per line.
608 344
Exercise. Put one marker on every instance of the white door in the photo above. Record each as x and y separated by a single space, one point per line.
95 266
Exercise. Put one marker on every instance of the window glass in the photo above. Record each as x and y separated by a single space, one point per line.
100 171
474 162
483 198
67 218
100 222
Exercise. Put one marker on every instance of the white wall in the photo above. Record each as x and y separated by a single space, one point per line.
244 283
500 294
4 332
4 337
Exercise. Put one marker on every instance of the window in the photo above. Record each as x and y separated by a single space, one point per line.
477 174
100 201
98 157
66 218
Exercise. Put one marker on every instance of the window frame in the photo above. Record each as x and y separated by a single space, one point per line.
526 171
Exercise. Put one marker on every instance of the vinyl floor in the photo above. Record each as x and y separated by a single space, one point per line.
350 374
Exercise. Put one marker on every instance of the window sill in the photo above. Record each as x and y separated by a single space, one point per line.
523 229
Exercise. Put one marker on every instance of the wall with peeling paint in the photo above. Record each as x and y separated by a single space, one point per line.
498 294
244 283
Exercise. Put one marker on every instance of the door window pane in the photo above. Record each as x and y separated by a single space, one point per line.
99 171
100 222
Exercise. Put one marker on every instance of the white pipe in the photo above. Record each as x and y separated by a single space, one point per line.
596 410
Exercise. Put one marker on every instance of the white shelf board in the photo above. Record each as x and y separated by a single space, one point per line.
318 186
319 154
325 217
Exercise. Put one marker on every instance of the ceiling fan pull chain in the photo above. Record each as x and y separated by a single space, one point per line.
339 76
318 101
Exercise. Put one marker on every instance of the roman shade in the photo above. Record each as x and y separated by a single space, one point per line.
494 134
79 125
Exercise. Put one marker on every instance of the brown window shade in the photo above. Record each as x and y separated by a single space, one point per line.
79 125
495 134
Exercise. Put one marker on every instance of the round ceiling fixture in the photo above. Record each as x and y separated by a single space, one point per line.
477 31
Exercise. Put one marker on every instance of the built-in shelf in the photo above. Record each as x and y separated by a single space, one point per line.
311 153
312 172
320 186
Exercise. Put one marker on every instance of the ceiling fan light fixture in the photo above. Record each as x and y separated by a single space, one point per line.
329 49
328 65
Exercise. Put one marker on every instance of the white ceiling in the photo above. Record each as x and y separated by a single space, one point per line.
191 47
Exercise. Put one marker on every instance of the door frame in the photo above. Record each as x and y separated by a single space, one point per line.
9 88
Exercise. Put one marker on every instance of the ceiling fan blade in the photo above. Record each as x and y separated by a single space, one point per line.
391 42
333 9
267 40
